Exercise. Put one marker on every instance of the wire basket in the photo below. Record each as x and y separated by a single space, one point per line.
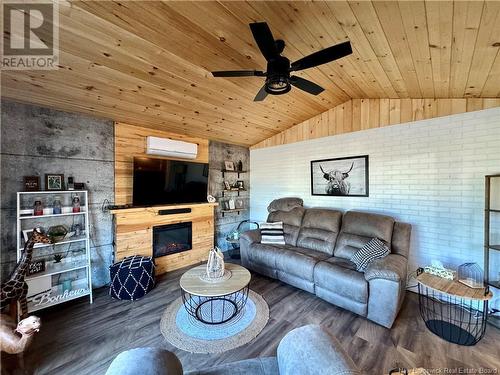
471 274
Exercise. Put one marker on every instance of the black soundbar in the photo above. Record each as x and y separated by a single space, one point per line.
174 211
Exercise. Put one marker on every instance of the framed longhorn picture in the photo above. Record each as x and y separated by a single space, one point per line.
341 177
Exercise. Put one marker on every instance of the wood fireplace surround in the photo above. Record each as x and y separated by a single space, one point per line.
134 226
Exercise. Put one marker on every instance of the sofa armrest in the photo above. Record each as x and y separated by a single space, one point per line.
309 350
391 267
251 236
145 361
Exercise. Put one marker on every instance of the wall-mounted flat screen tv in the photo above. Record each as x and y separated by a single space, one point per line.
162 181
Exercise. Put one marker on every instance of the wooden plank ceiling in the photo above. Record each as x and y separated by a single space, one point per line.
148 63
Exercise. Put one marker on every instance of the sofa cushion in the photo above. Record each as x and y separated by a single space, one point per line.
358 228
272 233
319 230
285 204
345 281
375 249
291 223
298 261
263 254
310 350
253 366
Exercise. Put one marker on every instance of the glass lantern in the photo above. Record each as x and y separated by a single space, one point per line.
471 275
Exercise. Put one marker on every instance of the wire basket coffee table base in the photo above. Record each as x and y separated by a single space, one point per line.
215 310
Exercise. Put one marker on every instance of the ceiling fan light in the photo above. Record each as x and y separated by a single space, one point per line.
277 85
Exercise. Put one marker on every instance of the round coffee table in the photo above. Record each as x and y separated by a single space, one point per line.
215 301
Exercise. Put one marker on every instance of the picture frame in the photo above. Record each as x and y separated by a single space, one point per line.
227 185
239 203
340 177
27 234
229 165
31 183
36 266
240 184
54 182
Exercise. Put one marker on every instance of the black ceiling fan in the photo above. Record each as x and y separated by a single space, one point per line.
278 78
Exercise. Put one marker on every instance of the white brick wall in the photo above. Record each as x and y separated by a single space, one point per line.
429 173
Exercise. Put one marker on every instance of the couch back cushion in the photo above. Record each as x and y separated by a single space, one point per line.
319 230
401 239
358 228
291 223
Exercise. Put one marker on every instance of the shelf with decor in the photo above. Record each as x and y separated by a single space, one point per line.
51 215
59 271
224 171
491 210
63 242
238 191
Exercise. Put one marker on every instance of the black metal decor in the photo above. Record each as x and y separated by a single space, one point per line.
215 310
455 319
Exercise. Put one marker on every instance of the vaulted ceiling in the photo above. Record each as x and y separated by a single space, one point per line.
149 63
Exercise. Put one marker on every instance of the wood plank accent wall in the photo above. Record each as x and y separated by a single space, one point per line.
362 114
134 233
130 142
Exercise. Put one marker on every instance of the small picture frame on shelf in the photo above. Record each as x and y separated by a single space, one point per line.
239 203
31 183
54 182
240 184
27 234
229 165
36 266
227 185
231 204
79 186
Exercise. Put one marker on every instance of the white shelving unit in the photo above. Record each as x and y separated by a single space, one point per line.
47 293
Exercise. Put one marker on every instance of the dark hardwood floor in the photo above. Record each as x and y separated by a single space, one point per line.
78 338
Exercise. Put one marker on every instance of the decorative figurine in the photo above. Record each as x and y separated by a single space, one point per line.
12 343
215 264
15 288
76 203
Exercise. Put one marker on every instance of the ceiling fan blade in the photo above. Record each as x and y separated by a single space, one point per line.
306 85
265 40
322 57
238 73
261 95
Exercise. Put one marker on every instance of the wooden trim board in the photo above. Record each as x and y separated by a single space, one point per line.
362 114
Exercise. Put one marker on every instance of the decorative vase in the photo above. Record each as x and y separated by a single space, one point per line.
215 264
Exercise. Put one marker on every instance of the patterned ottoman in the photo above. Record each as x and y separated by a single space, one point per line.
132 277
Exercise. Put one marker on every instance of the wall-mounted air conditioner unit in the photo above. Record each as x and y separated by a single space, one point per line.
171 148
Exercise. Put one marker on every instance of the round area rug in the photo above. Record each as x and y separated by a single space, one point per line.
186 333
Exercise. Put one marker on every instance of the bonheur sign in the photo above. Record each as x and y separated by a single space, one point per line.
46 298
30 33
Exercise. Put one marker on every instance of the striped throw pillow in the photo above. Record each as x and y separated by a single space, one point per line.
374 249
272 233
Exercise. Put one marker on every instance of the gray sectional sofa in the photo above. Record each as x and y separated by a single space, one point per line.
315 258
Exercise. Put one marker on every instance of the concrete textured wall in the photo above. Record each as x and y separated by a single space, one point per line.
35 141
428 173
218 153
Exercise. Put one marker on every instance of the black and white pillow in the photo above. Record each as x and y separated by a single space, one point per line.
374 249
272 233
